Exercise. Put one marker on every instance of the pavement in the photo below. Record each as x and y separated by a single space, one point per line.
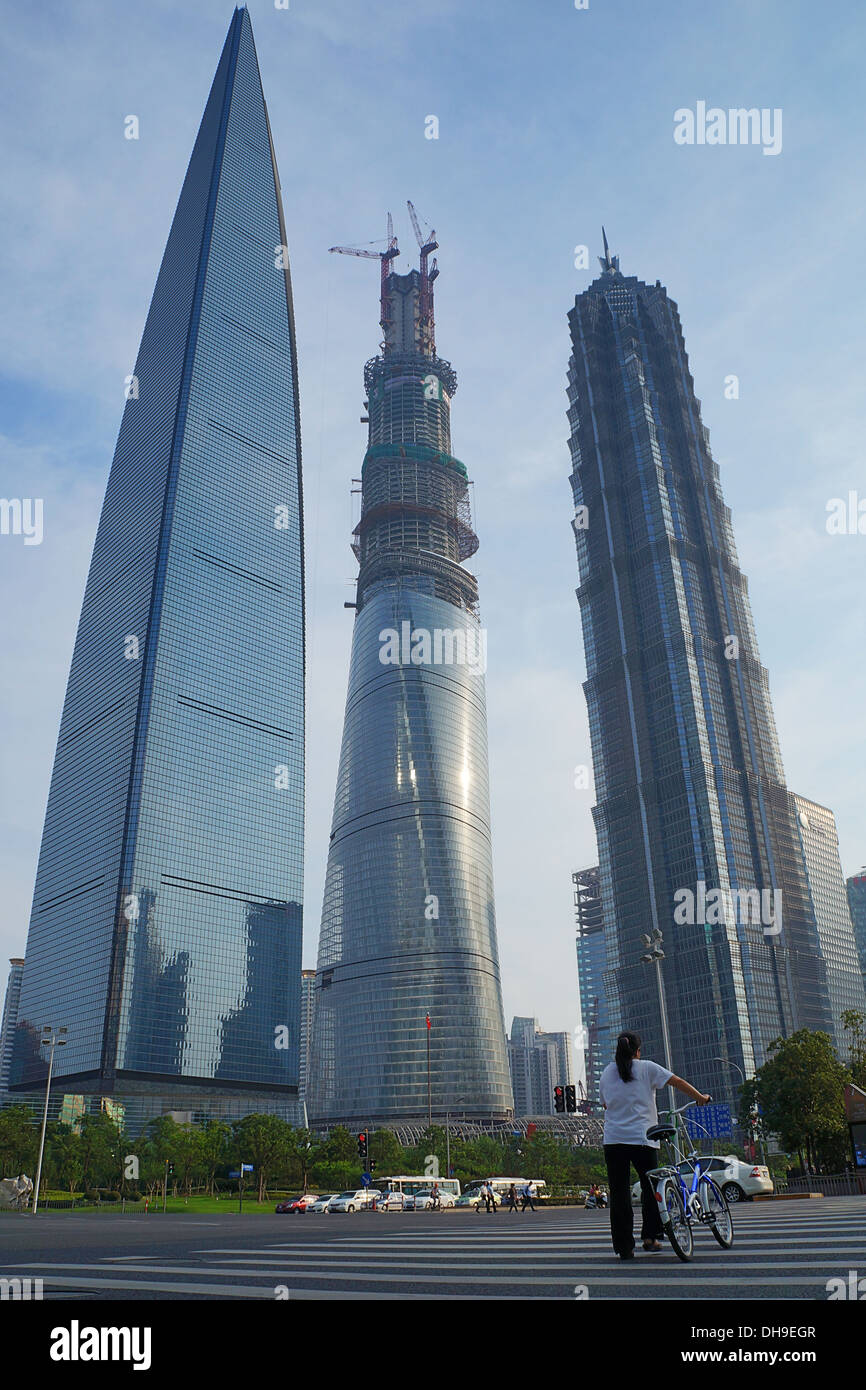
785 1250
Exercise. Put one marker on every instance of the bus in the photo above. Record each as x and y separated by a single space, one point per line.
409 1184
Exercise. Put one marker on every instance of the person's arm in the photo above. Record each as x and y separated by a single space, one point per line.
688 1090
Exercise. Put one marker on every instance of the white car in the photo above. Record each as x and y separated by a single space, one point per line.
738 1181
322 1203
359 1200
424 1199
393 1201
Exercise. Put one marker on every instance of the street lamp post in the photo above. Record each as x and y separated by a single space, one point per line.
754 1131
461 1100
653 954
50 1039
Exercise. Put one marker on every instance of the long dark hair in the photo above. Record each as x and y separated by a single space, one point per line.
627 1045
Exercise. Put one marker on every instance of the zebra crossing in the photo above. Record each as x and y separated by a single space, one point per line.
784 1251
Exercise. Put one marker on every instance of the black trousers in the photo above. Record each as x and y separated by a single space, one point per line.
619 1159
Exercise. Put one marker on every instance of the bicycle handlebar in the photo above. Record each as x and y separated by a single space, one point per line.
678 1109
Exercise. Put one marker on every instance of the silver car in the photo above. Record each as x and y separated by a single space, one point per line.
357 1200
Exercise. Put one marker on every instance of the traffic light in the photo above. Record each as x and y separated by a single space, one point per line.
362 1146
559 1100
571 1100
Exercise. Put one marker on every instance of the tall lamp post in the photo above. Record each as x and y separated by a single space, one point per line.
754 1132
653 954
461 1100
51 1038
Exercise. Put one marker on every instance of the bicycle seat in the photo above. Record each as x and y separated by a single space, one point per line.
661 1132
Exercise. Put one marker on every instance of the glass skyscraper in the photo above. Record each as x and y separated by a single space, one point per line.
9 1020
819 842
691 791
408 958
856 888
166 925
598 1045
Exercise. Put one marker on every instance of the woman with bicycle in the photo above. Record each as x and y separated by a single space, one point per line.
628 1093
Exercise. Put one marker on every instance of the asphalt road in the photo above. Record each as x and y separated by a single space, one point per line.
784 1250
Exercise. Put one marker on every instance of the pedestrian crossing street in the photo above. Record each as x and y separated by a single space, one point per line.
788 1250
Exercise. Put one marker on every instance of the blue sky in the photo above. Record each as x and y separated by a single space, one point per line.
551 120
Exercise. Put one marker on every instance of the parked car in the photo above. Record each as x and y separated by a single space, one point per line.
424 1199
739 1181
358 1200
322 1203
393 1201
301 1203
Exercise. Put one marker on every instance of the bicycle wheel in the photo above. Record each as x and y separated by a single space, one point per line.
673 1214
719 1219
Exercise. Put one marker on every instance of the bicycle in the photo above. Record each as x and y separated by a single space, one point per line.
702 1203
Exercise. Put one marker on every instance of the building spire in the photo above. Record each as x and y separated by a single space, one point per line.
608 263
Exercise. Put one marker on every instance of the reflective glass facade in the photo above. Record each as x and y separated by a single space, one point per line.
408 926
819 843
856 887
591 977
166 926
687 767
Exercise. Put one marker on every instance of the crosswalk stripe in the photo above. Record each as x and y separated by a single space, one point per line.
689 1274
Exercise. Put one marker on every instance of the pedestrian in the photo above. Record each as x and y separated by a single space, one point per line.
628 1087
527 1198
512 1198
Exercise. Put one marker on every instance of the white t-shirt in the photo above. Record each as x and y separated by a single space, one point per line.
631 1105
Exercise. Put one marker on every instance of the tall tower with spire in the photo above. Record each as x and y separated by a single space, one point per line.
166 926
408 1011
691 795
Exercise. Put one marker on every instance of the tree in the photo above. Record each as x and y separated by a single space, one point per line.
302 1153
262 1140
801 1089
854 1024
65 1157
214 1142
19 1141
101 1151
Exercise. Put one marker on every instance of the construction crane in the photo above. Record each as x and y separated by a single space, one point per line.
425 299
386 257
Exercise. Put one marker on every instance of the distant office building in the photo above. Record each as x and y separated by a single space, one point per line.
690 786
10 1019
539 1061
308 994
167 913
857 903
595 1025
816 827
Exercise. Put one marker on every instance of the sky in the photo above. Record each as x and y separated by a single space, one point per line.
551 121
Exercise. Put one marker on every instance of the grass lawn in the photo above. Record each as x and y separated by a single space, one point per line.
197 1204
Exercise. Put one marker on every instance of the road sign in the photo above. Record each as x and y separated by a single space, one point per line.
709 1122
366 1179
246 1167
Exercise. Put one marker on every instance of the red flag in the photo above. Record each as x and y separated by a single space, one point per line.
428 1020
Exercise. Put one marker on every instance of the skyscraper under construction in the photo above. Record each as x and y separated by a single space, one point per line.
688 774
408 1011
